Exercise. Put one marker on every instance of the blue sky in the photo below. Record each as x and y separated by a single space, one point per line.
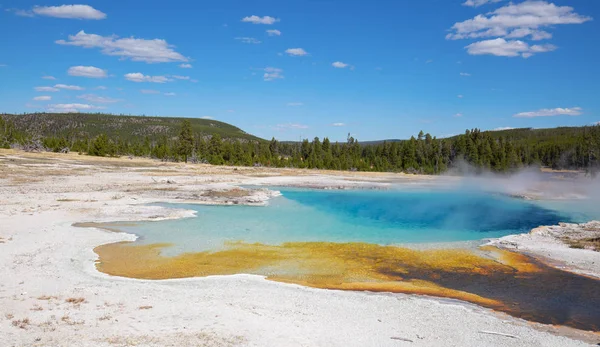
291 69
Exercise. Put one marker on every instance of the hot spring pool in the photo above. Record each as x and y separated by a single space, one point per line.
371 216
340 240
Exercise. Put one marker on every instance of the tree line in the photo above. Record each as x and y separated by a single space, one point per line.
504 151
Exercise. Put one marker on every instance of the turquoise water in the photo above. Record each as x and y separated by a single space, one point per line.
380 217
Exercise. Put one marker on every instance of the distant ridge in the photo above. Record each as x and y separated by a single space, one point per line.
91 125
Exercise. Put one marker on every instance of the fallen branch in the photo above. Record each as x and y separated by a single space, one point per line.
401 339
499 334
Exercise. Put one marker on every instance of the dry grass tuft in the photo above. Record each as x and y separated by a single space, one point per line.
145 307
47 297
105 317
9 316
37 308
75 301
21 323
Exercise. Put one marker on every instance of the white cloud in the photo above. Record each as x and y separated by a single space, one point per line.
458 115
298 52
283 127
42 98
339 65
295 104
251 40
64 11
551 112
149 91
274 32
194 81
597 123
460 96
185 66
87 71
178 77
523 20
101 88
206 117
3 65
140 77
531 14
513 48
68 87
477 3
170 94
465 74
46 89
502 128
98 99
149 51
49 77
70 108
338 124
429 61
260 20
272 73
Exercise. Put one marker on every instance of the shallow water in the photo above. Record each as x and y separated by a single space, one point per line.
379 217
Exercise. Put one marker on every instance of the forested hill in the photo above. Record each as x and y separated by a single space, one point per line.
209 141
90 125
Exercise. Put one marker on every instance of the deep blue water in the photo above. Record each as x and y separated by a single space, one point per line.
381 217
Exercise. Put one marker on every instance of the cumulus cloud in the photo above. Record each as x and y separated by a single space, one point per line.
68 87
340 65
531 14
70 108
458 115
551 112
185 66
42 98
64 11
477 3
87 71
140 77
260 20
46 89
251 40
49 77
272 73
460 96
526 20
178 77
295 104
149 51
338 124
149 91
98 99
465 74
503 48
274 32
298 52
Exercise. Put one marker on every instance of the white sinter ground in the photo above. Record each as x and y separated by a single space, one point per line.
44 261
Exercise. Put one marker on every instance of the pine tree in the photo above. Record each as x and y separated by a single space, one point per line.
186 140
